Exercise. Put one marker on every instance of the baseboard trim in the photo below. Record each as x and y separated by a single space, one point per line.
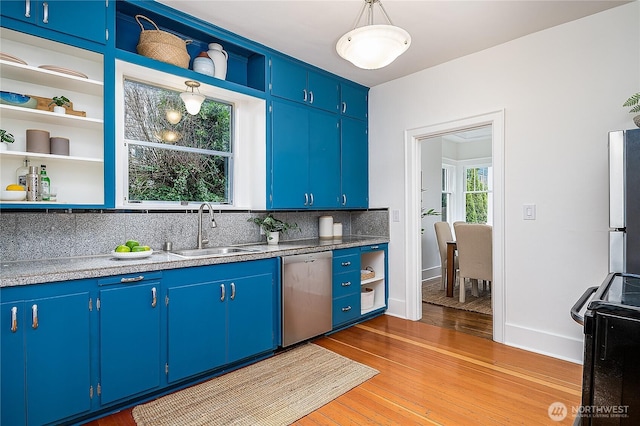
541 342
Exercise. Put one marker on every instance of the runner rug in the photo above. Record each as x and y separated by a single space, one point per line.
275 391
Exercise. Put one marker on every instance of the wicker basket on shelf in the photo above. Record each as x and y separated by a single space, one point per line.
161 45
367 273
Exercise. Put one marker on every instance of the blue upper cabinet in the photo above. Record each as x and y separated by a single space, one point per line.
355 164
353 101
297 83
71 22
305 158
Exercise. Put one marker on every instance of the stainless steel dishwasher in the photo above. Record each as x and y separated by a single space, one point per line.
306 296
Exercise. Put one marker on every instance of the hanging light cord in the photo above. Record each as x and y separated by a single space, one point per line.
369 5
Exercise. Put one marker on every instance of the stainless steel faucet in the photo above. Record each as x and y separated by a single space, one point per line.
201 241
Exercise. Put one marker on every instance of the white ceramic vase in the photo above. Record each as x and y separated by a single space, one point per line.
59 110
219 58
273 237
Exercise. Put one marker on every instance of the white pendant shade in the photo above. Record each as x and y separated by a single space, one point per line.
373 46
192 101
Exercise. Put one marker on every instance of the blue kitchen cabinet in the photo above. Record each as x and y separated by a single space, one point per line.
305 158
346 286
354 101
46 358
354 173
298 83
130 331
218 315
57 19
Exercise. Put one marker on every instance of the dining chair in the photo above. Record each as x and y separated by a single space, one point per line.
475 260
443 234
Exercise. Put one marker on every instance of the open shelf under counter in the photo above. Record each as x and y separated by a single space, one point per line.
35 155
17 71
19 113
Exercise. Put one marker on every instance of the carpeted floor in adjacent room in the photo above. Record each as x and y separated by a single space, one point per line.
432 292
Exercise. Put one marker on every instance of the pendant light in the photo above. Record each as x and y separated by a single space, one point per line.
192 101
373 46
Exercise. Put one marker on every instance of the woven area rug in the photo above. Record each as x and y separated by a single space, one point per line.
432 292
276 391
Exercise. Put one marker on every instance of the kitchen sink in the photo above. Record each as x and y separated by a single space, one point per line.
211 251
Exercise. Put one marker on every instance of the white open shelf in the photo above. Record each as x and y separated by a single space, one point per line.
17 71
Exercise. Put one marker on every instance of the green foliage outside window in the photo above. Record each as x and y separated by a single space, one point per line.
186 161
477 197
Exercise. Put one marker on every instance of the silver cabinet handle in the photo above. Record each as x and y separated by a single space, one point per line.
14 319
311 197
344 199
310 96
222 292
346 309
45 16
154 298
344 107
374 247
304 95
233 291
346 284
27 9
346 263
306 199
34 316
132 279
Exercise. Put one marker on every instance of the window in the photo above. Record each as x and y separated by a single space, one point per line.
172 156
448 186
478 194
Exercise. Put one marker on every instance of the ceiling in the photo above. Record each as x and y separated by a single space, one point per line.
441 30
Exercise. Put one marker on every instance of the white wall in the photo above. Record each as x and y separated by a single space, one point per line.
431 187
562 90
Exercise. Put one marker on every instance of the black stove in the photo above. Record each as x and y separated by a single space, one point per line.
611 369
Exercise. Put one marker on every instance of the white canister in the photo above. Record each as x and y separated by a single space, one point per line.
203 64
219 58
325 227
337 230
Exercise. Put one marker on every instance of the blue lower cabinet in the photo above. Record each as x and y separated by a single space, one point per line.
129 339
218 315
196 329
46 359
346 309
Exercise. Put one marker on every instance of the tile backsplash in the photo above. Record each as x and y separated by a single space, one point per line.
41 235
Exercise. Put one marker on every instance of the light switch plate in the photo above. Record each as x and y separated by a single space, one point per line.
396 215
529 212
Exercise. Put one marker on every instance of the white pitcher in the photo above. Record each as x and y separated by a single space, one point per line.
219 58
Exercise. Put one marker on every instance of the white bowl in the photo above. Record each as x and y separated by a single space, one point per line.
13 195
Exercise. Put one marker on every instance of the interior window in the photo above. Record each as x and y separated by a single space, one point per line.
448 186
173 156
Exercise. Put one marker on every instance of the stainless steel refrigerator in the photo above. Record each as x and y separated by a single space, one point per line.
624 201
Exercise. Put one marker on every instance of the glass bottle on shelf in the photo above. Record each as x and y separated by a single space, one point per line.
45 183
22 172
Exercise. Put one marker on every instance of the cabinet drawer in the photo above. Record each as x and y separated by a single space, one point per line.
346 263
346 309
346 283
130 279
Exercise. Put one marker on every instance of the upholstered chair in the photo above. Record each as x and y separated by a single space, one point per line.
443 234
475 260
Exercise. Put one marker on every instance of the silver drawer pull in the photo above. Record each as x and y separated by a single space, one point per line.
310 96
306 198
222 292
233 291
34 316
347 284
304 95
346 309
344 107
45 17
14 319
346 263
374 247
27 9
154 298
132 279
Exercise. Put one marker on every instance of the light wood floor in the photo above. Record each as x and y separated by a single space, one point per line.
474 323
436 376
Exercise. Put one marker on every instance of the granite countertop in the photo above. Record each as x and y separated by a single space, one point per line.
71 268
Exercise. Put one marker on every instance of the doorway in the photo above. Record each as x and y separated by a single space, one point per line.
456 185
413 195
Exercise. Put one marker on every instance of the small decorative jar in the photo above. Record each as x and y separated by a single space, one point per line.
204 64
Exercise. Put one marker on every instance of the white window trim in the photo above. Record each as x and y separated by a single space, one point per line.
248 145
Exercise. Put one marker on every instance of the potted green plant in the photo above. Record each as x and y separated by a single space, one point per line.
272 227
5 137
634 101
60 103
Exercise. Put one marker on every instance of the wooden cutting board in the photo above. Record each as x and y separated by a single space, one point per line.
43 104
